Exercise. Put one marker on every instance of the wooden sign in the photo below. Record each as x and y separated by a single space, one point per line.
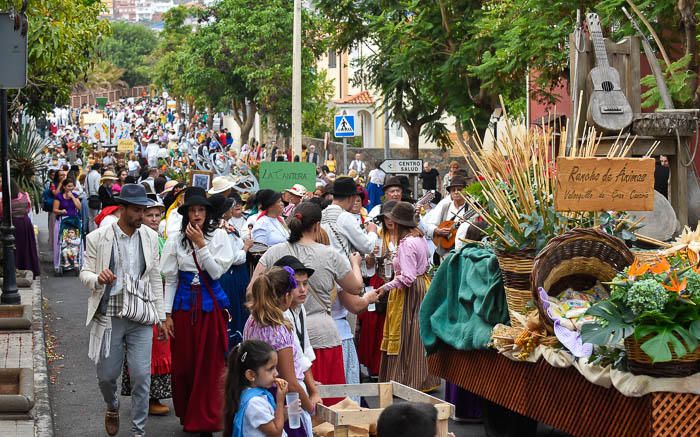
604 184
279 176
126 145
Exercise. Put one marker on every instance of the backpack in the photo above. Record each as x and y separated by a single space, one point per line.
47 200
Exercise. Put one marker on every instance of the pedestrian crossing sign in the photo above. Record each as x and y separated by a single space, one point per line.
344 126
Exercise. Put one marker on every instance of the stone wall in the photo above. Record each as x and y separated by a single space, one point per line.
438 158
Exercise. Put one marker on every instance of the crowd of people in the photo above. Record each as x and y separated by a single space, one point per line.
210 297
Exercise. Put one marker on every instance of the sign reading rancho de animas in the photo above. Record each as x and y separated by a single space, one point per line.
604 184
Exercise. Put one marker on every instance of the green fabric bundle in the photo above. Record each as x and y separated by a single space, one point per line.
465 301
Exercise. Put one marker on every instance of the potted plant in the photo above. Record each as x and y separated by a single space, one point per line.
655 308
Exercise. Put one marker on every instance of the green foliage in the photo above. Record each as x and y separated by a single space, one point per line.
63 36
167 58
677 77
128 48
26 164
646 295
614 324
651 302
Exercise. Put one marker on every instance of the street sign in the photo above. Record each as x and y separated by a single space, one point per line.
13 52
344 126
403 166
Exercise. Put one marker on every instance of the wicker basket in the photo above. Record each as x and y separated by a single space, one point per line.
639 362
577 259
516 270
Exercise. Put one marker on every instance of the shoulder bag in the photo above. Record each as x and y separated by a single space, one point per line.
138 304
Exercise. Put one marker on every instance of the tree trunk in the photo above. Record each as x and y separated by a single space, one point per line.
413 141
271 130
210 117
245 118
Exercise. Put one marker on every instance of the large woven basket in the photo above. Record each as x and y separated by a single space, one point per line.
516 270
639 362
577 259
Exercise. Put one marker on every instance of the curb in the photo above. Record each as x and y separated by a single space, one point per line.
43 417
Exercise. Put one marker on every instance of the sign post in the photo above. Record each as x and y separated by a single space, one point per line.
345 128
13 75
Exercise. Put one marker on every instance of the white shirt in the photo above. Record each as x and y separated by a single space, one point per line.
239 255
174 223
295 316
133 165
377 176
152 154
129 263
269 231
257 413
349 228
93 183
215 257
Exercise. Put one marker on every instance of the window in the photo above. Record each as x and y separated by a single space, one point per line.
332 59
398 130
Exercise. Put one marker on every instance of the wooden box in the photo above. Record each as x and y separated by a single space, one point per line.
386 392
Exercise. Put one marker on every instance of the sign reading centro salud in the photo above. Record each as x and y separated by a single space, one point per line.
604 184
279 176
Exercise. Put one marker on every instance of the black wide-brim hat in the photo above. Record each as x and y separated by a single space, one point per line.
133 194
194 196
344 187
294 263
393 181
404 214
266 198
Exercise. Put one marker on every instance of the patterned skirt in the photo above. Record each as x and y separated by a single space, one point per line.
410 366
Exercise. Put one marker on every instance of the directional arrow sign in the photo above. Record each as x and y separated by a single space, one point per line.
404 166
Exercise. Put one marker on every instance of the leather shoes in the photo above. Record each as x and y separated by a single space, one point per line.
155 408
112 422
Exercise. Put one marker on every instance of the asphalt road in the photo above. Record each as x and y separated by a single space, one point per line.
76 402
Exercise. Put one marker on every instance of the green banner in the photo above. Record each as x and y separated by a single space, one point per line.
101 102
279 176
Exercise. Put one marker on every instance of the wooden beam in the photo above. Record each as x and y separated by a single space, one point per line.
386 395
349 390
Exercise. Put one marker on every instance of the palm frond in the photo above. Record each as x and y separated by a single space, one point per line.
26 164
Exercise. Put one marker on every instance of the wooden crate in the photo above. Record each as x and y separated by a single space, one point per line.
386 392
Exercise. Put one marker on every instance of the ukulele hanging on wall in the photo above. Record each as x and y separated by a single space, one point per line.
608 108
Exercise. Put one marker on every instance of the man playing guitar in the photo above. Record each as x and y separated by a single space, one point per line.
443 220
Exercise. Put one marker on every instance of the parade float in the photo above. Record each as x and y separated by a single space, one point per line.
570 324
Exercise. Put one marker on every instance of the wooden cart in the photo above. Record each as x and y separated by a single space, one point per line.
564 399
386 392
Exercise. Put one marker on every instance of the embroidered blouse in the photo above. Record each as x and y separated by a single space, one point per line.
215 258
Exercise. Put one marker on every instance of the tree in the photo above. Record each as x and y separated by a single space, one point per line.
406 61
128 48
63 36
103 76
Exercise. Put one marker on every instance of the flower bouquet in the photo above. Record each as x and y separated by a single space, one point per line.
655 308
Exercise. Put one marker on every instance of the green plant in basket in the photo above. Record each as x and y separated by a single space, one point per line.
659 304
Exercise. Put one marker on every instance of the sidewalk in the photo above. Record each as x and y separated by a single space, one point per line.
26 349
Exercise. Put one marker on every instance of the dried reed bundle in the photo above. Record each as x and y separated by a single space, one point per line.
519 177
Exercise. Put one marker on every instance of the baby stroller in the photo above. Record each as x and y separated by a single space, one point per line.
68 245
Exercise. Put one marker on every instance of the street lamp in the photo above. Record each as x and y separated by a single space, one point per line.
296 80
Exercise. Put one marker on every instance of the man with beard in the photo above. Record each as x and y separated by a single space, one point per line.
116 257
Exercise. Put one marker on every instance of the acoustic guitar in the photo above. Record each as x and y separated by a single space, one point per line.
608 108
448 242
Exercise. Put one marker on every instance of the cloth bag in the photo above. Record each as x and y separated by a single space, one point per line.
138 304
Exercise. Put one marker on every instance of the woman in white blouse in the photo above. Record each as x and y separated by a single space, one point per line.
195 304
236 279
269 228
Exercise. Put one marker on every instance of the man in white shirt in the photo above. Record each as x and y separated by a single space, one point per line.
452 208
358 165
345 233
152 152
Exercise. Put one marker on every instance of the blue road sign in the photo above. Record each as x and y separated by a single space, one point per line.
344 126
